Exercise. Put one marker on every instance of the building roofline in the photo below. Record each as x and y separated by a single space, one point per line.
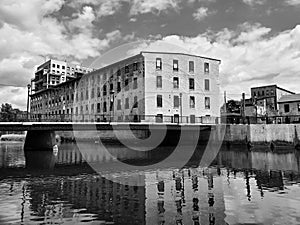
179 53
286 90
274 85
265 86
288 101
113 64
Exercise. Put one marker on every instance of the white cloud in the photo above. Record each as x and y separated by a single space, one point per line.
246 61
29 32
150 6
293 2
201 13
254 2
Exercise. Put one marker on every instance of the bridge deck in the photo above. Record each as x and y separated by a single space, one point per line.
70 126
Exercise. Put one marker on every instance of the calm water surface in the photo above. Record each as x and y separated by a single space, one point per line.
239 187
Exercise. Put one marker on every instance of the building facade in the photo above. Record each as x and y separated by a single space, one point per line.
289 107
150 86
267 97
54 72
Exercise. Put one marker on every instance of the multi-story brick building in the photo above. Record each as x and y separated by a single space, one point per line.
54 72
150 86
267 97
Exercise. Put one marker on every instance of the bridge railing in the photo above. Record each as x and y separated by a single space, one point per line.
152 119
120 119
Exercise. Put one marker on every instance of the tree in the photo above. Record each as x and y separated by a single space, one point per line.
8 114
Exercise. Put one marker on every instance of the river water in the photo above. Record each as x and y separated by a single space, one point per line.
237 187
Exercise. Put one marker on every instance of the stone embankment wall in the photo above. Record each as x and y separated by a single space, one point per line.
264 134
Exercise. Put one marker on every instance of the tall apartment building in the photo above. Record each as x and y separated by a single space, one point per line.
150 86
54 72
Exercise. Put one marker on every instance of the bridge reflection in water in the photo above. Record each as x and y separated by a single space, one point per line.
231 191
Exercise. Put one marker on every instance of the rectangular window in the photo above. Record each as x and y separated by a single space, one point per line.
206 67
159 101
159 64
92 108
118 86
175 65
57 66
207 103
119 106
286 108
127 103
126 85
192 102
104 90
135 66
53 65
104 107
206 85
192 84
111 107
98 107
191 67
93 93
87 94
98 92
135 83
63 67
298 107
135 102
176 101
126 69
159 81
176 82
111 88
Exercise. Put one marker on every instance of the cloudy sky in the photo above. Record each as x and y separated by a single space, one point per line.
258 41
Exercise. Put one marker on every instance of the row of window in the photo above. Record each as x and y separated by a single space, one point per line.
191 65
58 66
176 102
68 68
262 93
176 83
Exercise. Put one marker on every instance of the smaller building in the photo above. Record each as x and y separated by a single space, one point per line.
267 97
289 107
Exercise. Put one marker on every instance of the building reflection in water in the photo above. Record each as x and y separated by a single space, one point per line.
231 191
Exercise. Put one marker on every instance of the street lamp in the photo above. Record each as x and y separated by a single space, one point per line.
28 96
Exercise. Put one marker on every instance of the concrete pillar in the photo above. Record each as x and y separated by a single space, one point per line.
39 140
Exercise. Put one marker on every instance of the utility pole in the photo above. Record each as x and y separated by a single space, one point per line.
28 101
244 106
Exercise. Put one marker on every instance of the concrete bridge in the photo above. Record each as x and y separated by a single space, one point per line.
41 136
71 126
